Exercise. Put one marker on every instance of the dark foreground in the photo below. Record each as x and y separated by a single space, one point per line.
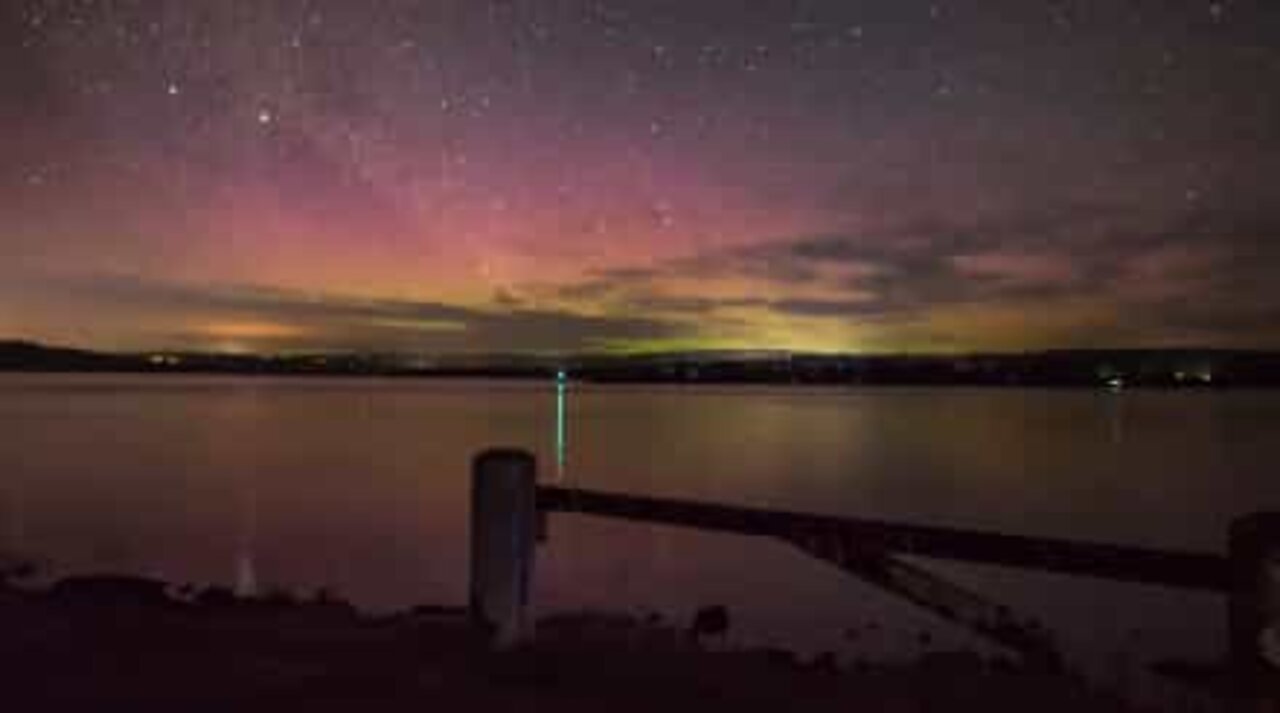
131 644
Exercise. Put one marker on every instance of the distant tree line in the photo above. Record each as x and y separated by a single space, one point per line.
1113 369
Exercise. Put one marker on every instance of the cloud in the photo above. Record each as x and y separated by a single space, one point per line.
1017 267
847 308
503 297
1080 275
687 304
1189 271
165 314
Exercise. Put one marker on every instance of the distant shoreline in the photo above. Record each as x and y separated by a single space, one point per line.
1082 369
639 381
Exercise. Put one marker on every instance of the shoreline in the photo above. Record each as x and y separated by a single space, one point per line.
142 643
705 383
1189 368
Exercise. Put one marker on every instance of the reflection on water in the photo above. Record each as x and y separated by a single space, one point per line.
1116 419
246 571
361 486
561 443
14 541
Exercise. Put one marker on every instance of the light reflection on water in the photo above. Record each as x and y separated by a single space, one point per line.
361 486
562 444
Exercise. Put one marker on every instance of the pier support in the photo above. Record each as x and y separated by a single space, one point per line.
503 533
1254 609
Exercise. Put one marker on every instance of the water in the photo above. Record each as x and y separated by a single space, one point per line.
361 486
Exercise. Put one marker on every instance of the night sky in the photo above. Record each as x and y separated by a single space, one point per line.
561 176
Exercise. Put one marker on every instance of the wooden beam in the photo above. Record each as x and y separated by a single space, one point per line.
924 589
1126 564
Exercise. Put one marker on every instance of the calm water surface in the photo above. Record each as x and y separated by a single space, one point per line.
362 486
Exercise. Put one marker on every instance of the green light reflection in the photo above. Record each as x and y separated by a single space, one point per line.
561 380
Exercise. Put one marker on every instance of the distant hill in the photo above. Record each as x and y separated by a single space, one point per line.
29 356
1112 369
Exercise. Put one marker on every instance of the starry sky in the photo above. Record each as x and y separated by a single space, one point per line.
613 175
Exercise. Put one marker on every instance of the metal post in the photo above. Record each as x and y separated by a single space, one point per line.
503 532
1254 609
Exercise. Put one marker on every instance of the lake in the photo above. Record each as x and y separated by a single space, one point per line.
361 486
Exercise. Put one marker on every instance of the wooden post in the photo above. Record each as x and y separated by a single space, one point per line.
503 532
1254 609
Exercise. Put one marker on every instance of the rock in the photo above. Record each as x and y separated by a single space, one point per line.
437 610
15 568
216 597
825 662
952 662
710 621
781 658
110 590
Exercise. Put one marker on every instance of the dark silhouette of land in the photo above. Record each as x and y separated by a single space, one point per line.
1091 368
125 643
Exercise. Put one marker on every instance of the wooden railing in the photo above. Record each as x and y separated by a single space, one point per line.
509 508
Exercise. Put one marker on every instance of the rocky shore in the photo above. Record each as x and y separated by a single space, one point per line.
124 643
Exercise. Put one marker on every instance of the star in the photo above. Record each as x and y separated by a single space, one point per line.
446 129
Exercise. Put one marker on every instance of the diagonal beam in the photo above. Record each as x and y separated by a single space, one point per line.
925 589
